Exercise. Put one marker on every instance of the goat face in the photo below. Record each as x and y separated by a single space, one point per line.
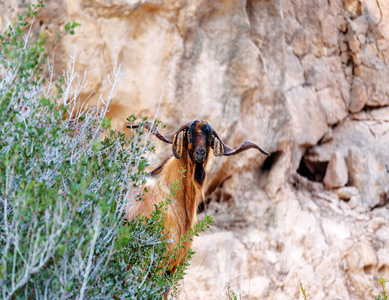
197 137
199 140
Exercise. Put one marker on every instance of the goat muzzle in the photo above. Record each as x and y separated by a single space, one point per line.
200 155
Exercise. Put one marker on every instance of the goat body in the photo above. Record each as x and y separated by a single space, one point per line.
181 213
191 145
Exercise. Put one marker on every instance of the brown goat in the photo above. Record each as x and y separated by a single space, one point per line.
191 144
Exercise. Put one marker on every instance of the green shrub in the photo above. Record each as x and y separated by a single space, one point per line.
383 293
65 183
230 293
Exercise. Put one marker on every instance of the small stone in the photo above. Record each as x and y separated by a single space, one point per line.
352 6
357 59
361 39
359 116
333 105
382 44
355 201
336 173
353 43
358 97
359 25
380 114
372 11
300 44
344 57
347 192
361 217
367 255
376 223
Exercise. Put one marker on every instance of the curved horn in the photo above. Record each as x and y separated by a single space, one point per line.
227 151
167 138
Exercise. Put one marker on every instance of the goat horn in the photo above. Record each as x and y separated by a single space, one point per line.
167 138
227 151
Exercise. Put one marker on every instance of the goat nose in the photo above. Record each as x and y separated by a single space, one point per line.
200 152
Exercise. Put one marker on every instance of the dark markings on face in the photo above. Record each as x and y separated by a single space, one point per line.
199 141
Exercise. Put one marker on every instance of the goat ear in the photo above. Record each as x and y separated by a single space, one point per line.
218 148
178 144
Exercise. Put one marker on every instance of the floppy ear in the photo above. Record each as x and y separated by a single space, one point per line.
178 144
218 149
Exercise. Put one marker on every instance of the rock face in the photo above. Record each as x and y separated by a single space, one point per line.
370 175
336 173
307 80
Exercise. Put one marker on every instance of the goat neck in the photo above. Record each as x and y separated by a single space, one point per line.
191 187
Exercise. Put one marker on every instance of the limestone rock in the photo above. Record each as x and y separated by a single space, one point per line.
369 174
372 10
367 255
353 44
294 75
336 173
352 6
358 97
333 105
306 110
334 231
364 133
347 192
359 25
379 115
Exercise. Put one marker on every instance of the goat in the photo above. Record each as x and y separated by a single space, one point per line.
191 144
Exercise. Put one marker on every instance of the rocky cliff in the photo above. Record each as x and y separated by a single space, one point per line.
307 80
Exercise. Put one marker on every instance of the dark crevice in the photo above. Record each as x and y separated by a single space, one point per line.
271 160
304 171
314 171
368 269
383 270
264 172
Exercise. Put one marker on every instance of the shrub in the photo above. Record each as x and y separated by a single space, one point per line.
65 182
383 293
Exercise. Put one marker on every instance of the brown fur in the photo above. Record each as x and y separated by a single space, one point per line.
181 213
190 145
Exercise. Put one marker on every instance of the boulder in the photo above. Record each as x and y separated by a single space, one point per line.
358 96
369 175
336 173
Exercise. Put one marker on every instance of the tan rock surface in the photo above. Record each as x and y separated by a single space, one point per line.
336 173
303 79
370 175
